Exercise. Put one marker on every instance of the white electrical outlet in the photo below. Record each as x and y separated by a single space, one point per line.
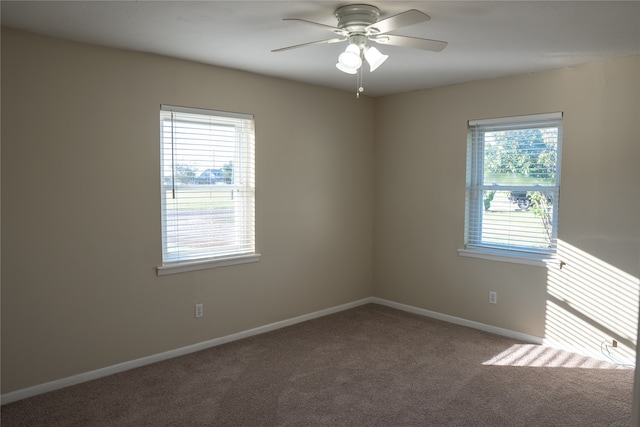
493 297
199 310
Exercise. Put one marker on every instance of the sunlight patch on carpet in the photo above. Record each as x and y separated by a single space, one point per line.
540 356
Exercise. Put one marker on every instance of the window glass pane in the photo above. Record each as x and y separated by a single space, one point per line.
201 223
522 157
518 219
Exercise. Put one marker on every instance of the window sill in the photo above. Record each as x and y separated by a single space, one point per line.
182 267
539 261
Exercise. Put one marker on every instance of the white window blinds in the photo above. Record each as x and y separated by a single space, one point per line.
208 184
513 184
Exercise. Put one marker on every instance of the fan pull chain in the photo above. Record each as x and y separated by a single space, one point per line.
359 80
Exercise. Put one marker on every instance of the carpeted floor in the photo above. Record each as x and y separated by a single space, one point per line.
368 366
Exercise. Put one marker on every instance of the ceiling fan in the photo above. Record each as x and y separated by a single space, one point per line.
358 24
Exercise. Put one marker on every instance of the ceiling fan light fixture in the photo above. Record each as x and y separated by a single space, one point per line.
374 58
361 24
350 58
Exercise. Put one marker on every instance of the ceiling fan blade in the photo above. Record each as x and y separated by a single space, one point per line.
414 42
317 24
400 20
309 44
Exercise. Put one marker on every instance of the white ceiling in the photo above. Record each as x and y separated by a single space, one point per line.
486 39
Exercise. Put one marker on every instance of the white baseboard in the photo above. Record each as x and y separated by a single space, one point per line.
109 370
125 366
531 339
459 321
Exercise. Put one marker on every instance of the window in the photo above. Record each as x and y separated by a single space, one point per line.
513 187
208 189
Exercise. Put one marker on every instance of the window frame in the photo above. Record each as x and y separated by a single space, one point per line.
245 147
475 188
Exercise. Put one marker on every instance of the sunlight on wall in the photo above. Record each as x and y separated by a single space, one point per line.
590 303
541 356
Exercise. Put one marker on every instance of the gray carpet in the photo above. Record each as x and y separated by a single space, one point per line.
368 366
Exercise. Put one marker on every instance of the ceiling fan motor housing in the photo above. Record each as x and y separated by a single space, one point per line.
355 18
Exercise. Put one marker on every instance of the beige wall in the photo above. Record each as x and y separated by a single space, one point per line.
81 207
81 220
420 194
